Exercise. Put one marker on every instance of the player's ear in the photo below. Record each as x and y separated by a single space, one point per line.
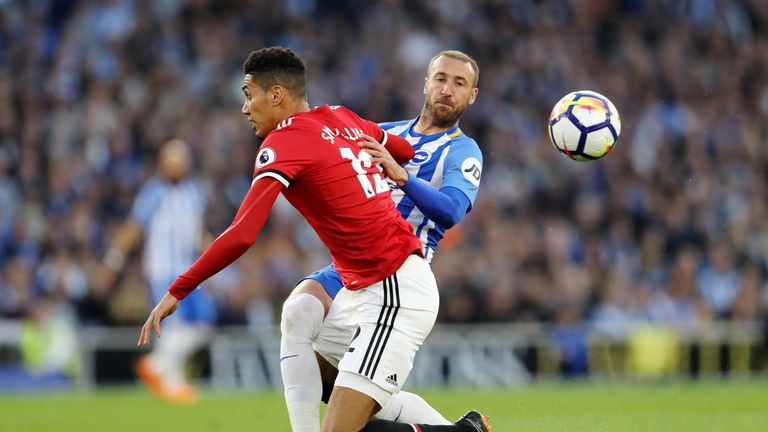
473 95
426 82
276 94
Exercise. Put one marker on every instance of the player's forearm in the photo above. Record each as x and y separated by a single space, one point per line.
234 241
445 207
401 150
222 252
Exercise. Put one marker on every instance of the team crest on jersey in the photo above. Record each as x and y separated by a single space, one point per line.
266 156
421 157
472 169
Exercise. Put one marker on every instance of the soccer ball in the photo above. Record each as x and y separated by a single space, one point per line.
584 125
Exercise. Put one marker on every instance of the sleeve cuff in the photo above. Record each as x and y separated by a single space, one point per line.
275 174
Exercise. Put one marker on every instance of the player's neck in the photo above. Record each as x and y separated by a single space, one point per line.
298 106
425 126
290 109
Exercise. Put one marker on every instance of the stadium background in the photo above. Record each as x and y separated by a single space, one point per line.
667 233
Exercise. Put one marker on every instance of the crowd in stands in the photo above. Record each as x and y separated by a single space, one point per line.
670 227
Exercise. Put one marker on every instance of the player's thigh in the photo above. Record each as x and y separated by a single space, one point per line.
395 317
338 328
328 371
383 351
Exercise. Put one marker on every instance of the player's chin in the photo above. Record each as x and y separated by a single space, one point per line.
445 118
445 111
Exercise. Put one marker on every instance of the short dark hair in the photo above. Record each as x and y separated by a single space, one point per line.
277 65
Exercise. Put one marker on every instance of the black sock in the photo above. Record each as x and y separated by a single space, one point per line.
390 426
327 389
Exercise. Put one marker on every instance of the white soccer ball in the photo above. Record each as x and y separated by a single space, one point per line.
584 125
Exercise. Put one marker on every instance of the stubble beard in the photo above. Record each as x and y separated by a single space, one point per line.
443 121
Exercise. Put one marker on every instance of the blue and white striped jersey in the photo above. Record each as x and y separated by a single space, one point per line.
444 159
172 218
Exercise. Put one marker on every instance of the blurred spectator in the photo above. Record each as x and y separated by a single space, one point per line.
569 343
49 342
17 299
719 281
678 304
614 314
168 215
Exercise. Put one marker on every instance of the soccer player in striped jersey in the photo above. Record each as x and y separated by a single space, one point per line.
168 212
432 192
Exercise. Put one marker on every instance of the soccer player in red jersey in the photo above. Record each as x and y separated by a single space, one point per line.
313 157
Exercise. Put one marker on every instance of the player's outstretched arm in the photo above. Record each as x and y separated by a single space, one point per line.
446 206
235 240
229 246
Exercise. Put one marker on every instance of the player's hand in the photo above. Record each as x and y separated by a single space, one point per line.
380 155
167 305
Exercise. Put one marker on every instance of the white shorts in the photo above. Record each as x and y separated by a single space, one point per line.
372 334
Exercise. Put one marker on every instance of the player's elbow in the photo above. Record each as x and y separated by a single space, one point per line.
454 210
246 243
452 220
249 238
449 218
240 238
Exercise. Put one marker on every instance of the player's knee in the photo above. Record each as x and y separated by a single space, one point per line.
302 317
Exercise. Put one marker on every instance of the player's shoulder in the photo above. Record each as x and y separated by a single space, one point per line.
342 113
310 121
465 155
291 131
324 113
338 109
465 145
395 126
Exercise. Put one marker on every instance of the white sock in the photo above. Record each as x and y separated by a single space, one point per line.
301 320
405 407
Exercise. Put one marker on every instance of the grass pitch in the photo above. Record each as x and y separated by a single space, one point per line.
679 407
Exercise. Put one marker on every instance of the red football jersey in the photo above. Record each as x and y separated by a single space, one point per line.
343 196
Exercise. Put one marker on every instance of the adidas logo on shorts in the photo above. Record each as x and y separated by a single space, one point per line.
392 379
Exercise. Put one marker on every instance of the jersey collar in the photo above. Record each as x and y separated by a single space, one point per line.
452 133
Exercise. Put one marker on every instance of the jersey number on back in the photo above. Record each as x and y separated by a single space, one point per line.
371 186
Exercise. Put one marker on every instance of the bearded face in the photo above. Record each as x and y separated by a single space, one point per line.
449 89
445 111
